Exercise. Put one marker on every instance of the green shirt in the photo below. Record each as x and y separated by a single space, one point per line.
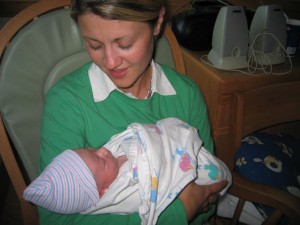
72 119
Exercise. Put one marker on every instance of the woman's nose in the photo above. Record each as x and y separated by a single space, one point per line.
112 59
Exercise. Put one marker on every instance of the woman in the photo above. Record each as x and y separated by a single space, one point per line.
122 85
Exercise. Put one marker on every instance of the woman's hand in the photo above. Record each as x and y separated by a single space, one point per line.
199 198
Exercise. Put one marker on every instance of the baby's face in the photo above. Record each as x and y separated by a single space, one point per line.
102 164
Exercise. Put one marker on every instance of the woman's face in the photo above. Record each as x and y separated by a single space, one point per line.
122 49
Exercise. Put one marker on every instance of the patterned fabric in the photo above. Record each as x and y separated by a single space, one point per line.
271 159
66 186
163 158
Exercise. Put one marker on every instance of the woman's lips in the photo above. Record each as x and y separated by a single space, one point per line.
118 73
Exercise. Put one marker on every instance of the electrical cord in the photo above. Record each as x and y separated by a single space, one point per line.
253 62
254 68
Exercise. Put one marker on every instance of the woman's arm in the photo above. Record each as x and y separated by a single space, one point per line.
63 128
200 198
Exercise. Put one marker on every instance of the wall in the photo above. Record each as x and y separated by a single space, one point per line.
291 7
9 8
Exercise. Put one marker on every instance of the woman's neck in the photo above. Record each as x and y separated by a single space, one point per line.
142 87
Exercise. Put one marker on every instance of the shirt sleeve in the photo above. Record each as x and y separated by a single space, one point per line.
200 119
62 126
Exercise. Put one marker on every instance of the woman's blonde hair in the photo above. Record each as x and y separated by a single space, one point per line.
130 10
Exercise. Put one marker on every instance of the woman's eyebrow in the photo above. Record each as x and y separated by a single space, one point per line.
126 37
91 38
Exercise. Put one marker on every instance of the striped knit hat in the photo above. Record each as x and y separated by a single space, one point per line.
66 186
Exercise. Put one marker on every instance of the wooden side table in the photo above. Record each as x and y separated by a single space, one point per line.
218 87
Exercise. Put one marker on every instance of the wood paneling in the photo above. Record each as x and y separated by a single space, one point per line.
218 88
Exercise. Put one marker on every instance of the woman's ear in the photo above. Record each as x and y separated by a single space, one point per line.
159 21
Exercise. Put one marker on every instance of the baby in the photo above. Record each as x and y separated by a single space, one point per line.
142 170
103 166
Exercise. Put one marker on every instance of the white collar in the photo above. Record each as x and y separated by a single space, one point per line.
102 86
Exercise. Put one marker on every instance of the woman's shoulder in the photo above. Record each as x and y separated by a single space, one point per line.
75 80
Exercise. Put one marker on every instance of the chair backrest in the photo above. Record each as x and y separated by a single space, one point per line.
37 47
262 108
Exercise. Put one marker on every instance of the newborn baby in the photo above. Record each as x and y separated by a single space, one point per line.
142 169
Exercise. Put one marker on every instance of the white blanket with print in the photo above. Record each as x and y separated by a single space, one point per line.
162 159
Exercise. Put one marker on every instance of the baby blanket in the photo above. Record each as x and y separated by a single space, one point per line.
162 159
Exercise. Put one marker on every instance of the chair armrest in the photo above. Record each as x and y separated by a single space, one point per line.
252 191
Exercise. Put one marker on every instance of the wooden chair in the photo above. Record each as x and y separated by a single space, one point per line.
37 47
256 110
